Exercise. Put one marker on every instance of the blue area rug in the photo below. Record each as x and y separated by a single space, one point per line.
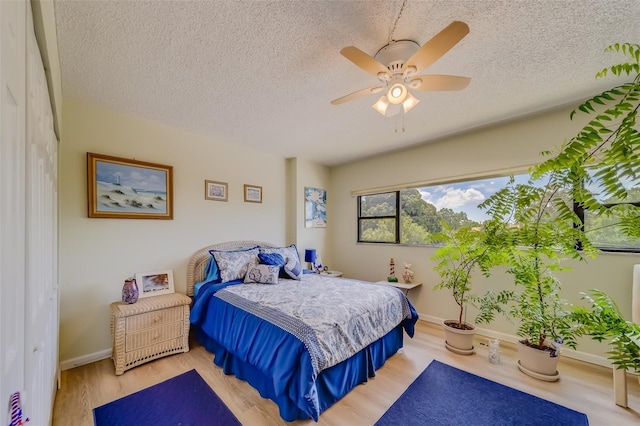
183 400
444 395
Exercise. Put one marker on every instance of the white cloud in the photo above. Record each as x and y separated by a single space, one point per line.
454 198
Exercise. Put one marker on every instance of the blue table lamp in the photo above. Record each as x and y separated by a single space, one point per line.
310 256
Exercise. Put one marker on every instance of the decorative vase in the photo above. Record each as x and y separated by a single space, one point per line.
407 274
130 291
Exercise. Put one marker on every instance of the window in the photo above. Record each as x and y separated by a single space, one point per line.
378 218
606 231
412 216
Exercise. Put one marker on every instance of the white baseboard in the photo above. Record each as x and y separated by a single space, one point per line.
85 359
568 352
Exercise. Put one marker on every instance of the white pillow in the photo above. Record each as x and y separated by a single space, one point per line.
233 265
293 268
262 274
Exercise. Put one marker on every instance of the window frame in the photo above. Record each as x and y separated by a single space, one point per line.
578 209
395 217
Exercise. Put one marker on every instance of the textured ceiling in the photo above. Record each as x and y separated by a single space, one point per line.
262 73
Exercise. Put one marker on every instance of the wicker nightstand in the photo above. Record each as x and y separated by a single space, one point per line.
151 328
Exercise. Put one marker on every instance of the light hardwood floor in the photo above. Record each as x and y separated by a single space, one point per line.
582 387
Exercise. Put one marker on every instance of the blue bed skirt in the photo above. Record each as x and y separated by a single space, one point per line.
329 386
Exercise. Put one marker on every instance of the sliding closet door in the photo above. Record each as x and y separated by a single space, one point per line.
41 301
12 198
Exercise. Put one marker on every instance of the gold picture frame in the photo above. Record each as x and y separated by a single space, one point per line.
252 194
121 188
217 191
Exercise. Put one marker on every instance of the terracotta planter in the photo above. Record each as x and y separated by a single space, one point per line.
459 341
538 363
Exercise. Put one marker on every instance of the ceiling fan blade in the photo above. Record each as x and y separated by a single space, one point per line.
440 44
364 61
356 95
439 83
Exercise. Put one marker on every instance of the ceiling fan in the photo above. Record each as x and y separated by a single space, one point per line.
397 64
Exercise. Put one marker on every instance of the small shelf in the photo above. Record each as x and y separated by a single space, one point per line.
331 273
402 286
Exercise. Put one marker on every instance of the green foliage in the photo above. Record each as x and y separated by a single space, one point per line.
419 219
464 250
603 321
541 226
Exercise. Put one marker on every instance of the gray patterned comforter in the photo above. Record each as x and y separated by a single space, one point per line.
334 317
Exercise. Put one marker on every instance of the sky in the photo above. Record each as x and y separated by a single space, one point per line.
465 196
135 177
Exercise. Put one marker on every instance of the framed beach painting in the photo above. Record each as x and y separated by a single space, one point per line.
155 283
315 208
128 189
252 194
216 191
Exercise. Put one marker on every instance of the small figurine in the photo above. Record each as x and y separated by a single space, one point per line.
407 274
392 272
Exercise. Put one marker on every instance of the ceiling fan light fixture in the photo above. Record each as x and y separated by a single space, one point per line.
410 102
382 105
397 93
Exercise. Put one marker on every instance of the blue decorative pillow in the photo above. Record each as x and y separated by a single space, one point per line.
271 259
212 273
293 269
262 274
289 252
233 265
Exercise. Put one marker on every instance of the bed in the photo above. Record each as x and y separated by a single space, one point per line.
303 342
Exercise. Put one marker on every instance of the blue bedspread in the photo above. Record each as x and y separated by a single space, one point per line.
291 347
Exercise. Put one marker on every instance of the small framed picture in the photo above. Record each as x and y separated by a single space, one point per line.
252 194
215 190
155 283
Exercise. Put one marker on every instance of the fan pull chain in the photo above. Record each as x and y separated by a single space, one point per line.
400 122
393 29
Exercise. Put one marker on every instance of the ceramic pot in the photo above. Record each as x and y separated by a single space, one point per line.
459 341
130 291
537 363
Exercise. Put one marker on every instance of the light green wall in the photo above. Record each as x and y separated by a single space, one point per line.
96 255
509 146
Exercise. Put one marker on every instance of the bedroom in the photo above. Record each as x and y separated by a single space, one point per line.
97 255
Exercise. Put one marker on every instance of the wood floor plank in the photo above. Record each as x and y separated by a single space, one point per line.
583 387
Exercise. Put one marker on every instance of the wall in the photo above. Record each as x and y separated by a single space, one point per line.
310 174
506 147
96 255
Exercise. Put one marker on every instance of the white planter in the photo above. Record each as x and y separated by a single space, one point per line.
459 341
538 363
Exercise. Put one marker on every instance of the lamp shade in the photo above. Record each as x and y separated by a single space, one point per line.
310 255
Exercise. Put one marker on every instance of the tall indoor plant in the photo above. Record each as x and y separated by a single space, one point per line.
464 251
545 216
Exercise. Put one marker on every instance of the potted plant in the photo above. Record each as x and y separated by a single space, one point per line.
603 321
544 227
463 251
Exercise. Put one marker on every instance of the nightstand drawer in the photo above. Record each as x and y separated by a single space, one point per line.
153 336
151 319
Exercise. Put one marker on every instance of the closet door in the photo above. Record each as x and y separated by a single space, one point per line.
41 301
12 198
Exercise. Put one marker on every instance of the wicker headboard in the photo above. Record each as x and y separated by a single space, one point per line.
198 261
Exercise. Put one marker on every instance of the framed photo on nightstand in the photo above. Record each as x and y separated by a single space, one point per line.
155 283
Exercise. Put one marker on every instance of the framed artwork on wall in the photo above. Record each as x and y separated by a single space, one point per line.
155 283
315 208
252 194
216 191
121 188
